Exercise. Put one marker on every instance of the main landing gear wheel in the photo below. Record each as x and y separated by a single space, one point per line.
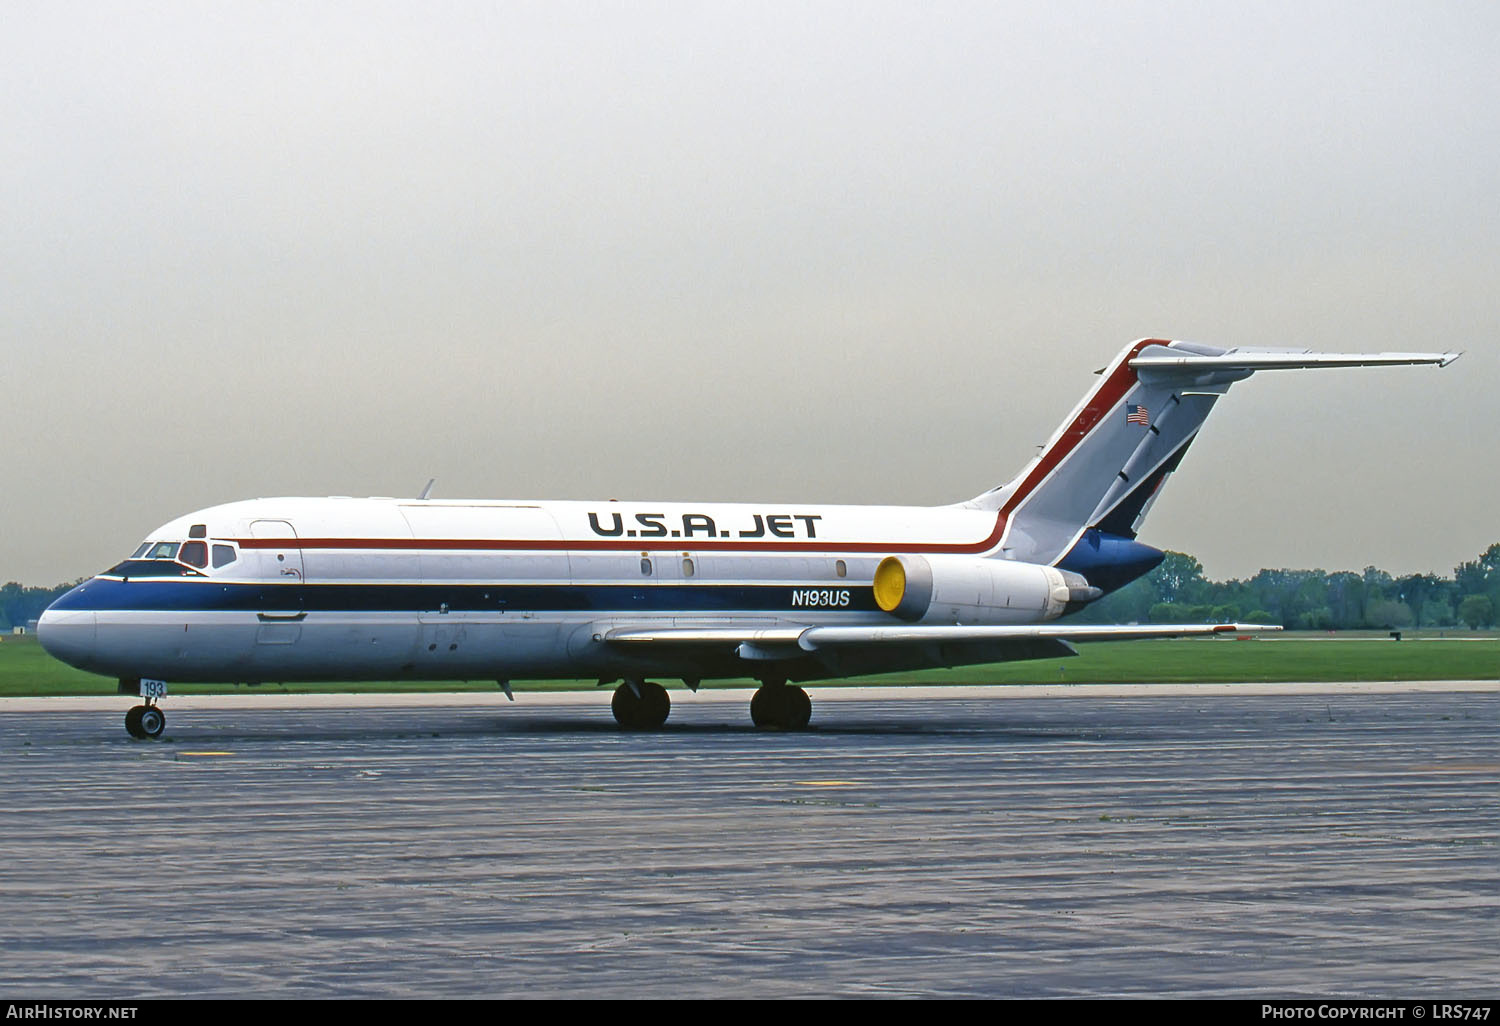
780 705
645 710
145 721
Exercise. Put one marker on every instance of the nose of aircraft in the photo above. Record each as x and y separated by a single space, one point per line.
68 635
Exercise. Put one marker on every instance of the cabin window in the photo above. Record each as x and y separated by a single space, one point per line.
841 568
687 566
163 550
645 567
223 555
195 553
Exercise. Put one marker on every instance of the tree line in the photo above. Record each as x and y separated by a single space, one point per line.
1177 592
19 605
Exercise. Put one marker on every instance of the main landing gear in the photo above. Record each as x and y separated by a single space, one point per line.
641 705
145 721
781 705
644 705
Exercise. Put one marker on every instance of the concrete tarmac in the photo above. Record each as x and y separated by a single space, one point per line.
1190 841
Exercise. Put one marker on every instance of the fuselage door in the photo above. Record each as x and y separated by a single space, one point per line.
281 570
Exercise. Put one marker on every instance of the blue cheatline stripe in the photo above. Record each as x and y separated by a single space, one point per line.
103 594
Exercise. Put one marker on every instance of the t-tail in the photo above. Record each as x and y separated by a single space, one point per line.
1080 503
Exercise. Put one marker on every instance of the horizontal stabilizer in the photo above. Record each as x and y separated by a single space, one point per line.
1161 358
1085 495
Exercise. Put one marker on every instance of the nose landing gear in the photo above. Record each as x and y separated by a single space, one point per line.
146 720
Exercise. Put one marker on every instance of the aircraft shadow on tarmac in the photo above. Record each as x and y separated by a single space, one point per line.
196 729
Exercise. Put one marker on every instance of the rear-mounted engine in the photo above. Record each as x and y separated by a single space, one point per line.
968 590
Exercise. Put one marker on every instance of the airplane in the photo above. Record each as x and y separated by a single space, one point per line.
347 589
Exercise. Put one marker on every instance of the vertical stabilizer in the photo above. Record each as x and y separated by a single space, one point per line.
1083 498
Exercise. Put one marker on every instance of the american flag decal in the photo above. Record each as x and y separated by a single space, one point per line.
1136 414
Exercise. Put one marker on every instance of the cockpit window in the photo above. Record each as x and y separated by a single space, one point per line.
174 559
152 568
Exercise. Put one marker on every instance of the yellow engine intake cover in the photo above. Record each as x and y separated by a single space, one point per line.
890 584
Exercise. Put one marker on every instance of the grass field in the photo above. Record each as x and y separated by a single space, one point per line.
25 669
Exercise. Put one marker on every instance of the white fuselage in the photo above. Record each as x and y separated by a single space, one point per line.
387 589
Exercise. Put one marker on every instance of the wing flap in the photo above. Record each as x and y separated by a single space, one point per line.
705 635
810 639
822 637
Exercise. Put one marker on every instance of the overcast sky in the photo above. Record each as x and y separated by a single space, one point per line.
814 252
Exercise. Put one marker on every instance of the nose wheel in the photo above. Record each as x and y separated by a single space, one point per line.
145 721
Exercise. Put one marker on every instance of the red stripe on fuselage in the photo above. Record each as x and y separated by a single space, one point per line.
1103 398
612 545
1100 401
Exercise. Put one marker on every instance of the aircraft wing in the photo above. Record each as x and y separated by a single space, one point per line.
754 641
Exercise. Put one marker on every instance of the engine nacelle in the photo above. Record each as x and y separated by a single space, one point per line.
969 590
